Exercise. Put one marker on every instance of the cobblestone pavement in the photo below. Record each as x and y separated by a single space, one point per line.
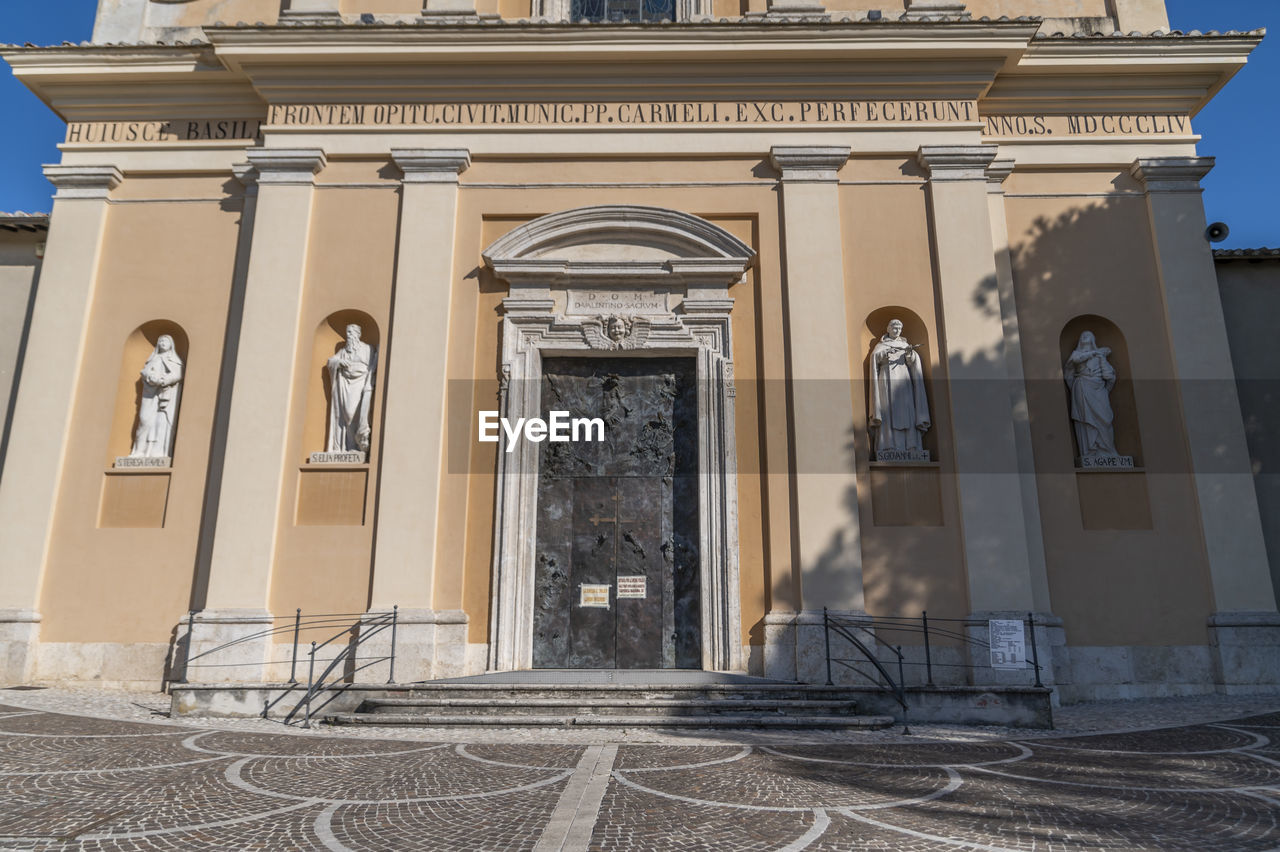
78 782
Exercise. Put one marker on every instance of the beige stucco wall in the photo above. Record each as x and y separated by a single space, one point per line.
1091 255
173 261
166 259
911 557
323 549
1250 302
19 276
748 212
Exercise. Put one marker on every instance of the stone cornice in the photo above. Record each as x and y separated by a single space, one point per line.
809 164
290 166
1146 75
997 173
956 162
678 62
1172 174
83 181
152 82
426 165
681 234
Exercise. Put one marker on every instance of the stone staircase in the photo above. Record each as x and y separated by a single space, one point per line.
611 700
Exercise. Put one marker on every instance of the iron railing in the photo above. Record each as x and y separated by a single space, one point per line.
875 628
364 628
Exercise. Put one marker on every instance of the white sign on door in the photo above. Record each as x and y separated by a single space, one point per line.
632 587
593 596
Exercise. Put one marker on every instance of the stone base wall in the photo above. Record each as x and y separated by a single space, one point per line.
19 641
105 665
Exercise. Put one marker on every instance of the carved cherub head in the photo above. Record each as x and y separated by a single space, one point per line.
616 328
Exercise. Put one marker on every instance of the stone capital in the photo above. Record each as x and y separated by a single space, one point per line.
997 173
431 165
83 181
809 163
1256 618
18 615
288 166
247 175
956 162
1171 174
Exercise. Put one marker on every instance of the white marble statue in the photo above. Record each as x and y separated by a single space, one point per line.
899 409
1090 378
158 408
351 373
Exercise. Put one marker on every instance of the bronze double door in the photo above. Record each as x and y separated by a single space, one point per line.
617 568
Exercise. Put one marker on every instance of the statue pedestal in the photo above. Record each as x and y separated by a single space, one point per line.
142 461
339 458
1105 463
899 456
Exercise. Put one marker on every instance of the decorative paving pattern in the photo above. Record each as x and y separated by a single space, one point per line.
68 782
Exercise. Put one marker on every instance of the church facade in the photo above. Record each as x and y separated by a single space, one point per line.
587 335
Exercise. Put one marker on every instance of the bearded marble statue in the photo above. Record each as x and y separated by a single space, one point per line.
899 409
158 408
351 373
1090 378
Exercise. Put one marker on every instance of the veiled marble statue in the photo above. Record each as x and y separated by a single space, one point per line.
899 409
158 408
1090 378
351 373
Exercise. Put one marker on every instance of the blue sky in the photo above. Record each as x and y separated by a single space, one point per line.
1241 127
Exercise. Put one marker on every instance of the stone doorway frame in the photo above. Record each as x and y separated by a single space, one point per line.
617 248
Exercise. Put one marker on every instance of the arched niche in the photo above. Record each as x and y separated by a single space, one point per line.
1123 403
915 330
138 347
904 494
329 338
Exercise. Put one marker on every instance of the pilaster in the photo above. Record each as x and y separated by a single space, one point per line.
45 403
997 173
828 534
979 388
413 448
1244 602
236 606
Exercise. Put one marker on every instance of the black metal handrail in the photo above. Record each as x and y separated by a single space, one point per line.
378 623
924 626
364 628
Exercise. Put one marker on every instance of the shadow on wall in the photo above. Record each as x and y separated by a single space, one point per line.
1084 267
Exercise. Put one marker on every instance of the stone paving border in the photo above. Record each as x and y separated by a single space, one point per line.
1093 717
91 783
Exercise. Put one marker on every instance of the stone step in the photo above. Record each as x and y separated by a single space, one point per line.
621 706
609 692
593 721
